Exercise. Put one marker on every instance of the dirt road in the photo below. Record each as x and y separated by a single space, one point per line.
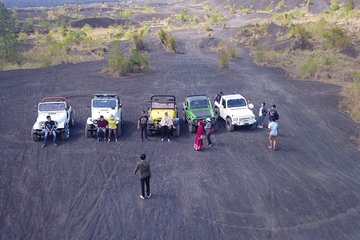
309 189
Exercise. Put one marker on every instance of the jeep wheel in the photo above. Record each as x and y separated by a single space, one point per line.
88 133
177 131
216 112
72 120
253 126
229 126
119 129
35 136
191 127
65 133
184 117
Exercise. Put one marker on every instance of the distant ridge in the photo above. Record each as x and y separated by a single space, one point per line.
47 3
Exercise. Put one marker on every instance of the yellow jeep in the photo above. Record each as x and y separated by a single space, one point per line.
159 104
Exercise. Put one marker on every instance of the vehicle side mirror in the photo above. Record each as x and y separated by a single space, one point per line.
251 106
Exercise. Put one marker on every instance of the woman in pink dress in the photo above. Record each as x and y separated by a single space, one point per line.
199 136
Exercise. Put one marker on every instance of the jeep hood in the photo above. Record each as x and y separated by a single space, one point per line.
203 113
157 114
241 112
106 112
58 117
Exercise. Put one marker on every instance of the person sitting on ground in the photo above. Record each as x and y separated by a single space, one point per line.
166 125
50 126
112 127
101 127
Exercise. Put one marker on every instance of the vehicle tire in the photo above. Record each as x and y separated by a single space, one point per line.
65 133
229 126
177 131
216 112
34 136
184 117
88 133
253 126
119 129
191 127
72 120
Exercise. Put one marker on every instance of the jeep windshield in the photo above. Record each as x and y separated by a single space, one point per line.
162 105
233 103
203 103
104 103
47 107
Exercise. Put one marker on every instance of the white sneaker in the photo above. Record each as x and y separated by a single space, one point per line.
162 139
141 196
149 196
260 127
169 140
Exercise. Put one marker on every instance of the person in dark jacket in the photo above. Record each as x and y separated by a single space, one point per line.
145 174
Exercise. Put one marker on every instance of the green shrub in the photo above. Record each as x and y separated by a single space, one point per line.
309 68
223 59
183 16
121 65
298 30
167 40
335 5
349 5
281 4
351 99
231 51
117 63
259 55
336 37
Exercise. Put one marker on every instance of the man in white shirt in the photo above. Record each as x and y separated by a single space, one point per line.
166 124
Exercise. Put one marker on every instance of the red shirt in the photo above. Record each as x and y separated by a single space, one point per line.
102 123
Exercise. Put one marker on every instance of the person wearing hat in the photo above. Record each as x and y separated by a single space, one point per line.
112 127
208 130
145 174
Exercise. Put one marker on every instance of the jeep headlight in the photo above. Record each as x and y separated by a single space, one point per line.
95 121
235 119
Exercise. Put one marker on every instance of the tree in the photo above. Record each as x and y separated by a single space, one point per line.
8 40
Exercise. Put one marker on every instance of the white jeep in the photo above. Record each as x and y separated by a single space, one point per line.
235 110
60 112
105 104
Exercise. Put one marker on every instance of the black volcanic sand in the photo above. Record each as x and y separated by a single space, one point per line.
308 189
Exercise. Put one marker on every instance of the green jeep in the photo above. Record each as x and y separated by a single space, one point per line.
196 108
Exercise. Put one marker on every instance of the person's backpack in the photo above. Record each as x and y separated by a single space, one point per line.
276 116
143 120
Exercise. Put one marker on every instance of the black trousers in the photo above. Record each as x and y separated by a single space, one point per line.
165 130
143 132
145 181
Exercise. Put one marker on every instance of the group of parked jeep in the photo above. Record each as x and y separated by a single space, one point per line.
233 109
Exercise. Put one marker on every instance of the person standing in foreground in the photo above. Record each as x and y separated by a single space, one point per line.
112 128
142 125
273 133
262 115
208 131
145 175
166 125
49 130
199 136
